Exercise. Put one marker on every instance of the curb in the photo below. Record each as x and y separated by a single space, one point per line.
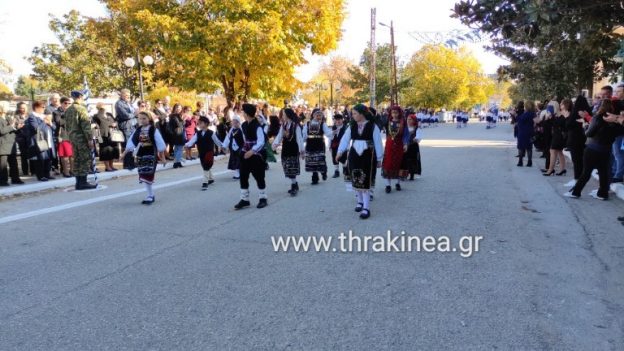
617 188
61 183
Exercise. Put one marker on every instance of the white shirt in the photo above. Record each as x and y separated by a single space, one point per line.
361 144
194 140
226 141
298 134
158 140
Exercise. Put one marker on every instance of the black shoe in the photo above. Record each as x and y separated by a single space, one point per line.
562 172
621 219
324 175
519 164
365 213
262 203
411 177
210 181
530 163
543 170
242 204
294 189
388 189
5 184
336 174
42 179
398 187
372 198
359 207
149 200
548 174
315 178
204 186
17 181
176 165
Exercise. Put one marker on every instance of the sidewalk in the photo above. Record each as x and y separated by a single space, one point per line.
617 188
32 185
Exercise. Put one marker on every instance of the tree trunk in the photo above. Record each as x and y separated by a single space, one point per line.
228 90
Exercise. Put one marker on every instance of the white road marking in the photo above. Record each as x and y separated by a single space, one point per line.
96 200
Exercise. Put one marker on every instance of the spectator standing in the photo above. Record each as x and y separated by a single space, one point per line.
178 135
36 130
109 150
125 114
525 129
8 150
19 118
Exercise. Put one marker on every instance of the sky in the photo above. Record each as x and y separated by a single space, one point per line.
21 29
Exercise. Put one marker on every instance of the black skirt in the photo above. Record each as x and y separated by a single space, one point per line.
234 161
109 151
411 160
362 169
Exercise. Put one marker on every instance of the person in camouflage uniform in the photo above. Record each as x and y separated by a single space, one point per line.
78 126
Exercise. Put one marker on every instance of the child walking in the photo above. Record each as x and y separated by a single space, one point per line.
148 146
205 140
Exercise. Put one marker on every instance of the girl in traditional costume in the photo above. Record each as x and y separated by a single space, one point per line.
290 137
396 137
314 133
362 140
148 147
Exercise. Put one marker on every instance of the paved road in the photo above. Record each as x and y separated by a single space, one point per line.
99 271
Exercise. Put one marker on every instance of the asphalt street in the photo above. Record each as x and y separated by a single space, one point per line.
99 271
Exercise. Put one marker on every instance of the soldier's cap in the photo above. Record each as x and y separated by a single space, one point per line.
78 93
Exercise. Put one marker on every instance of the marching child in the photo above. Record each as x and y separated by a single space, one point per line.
291 139
253 158
234 141
148 146
338 130
205 140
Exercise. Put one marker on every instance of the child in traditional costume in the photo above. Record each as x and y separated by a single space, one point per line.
396 138
148 147
234 141
362 140
205 140
253 158
314 133
338 130
411 158
291 138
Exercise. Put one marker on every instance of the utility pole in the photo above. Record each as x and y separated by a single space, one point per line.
395 93
373 64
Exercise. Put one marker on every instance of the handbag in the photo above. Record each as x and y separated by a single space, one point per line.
38 145
116 136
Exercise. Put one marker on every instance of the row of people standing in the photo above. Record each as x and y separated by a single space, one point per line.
568 124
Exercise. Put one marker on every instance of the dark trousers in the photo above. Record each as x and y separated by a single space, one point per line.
255 166
42 167
601 161
25 163
8 167
547 156
576 153
528 153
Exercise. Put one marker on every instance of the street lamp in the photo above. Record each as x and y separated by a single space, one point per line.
147 60
394 96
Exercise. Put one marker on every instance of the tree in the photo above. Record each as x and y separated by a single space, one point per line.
438 77
27 86
360 76
555 47
84 51
5 92
332 76
249 47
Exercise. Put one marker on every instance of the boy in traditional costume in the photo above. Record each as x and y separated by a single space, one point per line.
205 140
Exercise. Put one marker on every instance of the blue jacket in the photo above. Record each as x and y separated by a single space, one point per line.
525 130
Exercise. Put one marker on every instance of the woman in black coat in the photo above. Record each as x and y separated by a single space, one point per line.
558 136
109 150
177 138
576 138
597 155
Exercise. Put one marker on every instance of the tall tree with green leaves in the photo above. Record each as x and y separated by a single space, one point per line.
360 75
555 47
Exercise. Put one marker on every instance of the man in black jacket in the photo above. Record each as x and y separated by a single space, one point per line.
8 151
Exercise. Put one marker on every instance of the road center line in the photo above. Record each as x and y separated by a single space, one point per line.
95 200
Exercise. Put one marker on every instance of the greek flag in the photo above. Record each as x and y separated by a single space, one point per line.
87 91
